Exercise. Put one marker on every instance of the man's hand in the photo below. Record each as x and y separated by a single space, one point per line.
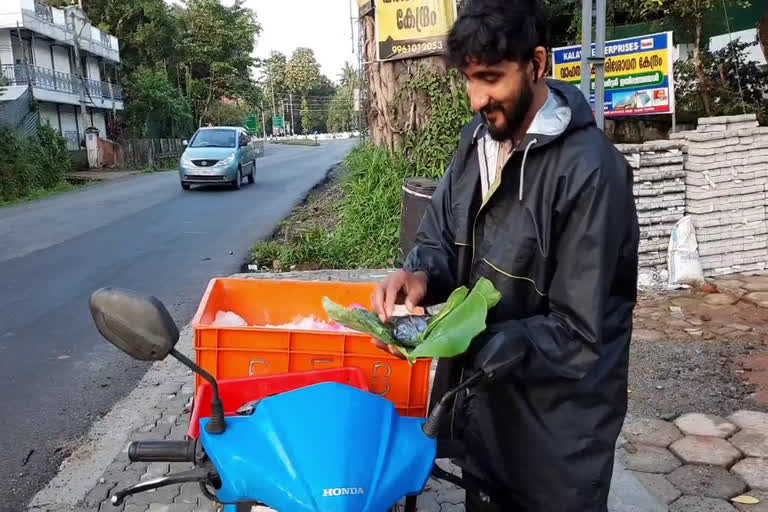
410 286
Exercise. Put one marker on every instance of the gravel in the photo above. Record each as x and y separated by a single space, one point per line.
670 378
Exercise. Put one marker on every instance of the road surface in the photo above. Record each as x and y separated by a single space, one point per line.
57 374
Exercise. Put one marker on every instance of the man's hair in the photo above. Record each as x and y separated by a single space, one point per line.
491 31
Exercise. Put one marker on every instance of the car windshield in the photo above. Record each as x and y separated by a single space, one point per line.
214 139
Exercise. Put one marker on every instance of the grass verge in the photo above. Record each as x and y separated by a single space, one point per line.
296 142
40 193
352 222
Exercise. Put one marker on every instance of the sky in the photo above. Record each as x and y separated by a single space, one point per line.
322 25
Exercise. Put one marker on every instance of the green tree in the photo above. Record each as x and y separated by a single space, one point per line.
218 43
150 96
690 14
302 72
734 83
341 115
224 113
306 117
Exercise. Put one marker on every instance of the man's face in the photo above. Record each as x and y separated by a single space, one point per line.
502 93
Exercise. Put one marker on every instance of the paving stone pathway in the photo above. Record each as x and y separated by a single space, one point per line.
700 462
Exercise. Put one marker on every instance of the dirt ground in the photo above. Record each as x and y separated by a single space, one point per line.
696 351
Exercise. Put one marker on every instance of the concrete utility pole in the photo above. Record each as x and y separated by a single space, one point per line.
598 60
293 130
79 69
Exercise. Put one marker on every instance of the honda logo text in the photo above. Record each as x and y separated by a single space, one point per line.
343 491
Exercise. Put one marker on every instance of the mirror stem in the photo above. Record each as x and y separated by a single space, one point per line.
432 426
217 424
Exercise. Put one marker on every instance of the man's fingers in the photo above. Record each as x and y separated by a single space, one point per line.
394 285
377 301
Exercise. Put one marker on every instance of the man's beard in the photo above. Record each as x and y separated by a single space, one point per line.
514 115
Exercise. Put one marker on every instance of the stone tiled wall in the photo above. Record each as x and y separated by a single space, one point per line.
717 175
659 188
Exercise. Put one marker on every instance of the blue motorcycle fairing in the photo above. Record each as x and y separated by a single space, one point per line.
323 448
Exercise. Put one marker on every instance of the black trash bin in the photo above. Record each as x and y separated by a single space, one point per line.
417 193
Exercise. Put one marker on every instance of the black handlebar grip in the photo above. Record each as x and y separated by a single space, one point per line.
162 451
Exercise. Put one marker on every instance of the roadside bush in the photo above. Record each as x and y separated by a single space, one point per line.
29 165
367 233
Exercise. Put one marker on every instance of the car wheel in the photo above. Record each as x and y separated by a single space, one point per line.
252 176
238 179
185 186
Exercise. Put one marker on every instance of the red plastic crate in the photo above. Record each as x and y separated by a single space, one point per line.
236 392
234 352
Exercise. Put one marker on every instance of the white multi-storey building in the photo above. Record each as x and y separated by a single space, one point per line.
41 48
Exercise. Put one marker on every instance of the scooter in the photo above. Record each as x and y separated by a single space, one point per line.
327 447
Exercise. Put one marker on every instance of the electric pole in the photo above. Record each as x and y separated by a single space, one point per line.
587 60
293 130
79 68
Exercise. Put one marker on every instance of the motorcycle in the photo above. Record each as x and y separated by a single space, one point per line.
326 447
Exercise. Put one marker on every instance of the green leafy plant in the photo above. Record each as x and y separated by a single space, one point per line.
448 334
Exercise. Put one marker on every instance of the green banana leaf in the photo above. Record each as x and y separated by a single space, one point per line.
457 297
449 333
452 336
360 320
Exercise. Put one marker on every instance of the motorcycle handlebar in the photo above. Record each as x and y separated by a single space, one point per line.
162 451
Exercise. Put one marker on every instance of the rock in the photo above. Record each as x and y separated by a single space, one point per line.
647 334
754 471
697 424
710 481
700 504
720 299
740 327
708 288
685 302
705 450
756 286
650 459
758 507
659 486
751 442
651 431
750 420
728 284
757 298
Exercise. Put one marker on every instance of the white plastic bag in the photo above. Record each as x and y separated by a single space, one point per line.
229 319
683 255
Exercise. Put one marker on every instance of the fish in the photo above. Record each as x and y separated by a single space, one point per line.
407 330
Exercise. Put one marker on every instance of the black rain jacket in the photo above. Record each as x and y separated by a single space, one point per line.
558 237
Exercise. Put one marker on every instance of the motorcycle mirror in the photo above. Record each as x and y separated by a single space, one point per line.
139 325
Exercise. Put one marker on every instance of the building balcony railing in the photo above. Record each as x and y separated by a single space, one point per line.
44 78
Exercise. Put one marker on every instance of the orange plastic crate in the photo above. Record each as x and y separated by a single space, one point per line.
231 352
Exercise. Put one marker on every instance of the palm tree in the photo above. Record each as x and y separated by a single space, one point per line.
348 76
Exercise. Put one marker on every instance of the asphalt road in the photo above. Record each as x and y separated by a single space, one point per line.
57 375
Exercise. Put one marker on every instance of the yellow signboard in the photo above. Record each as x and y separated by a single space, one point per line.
364 7
413 28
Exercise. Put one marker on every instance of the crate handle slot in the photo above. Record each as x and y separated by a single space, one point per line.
319 360
384 377
254 362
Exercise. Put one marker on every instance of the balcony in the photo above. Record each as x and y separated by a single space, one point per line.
55 24
50 85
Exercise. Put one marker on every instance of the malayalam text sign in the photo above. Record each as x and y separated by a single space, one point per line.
639 77
413 28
